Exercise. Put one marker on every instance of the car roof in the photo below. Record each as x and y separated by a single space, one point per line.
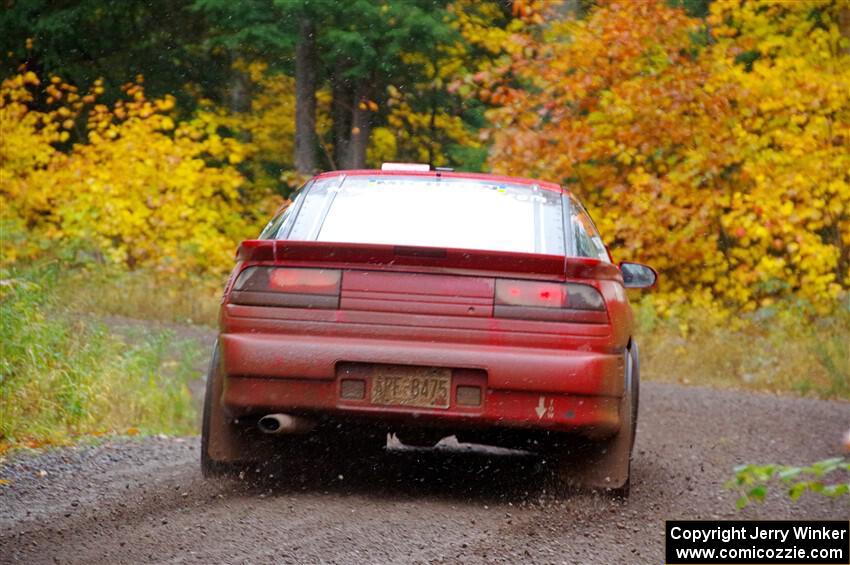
547 185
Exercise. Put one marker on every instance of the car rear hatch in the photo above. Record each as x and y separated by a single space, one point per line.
417 293
360 308
421 281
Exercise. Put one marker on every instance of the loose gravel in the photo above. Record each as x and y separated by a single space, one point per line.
143 500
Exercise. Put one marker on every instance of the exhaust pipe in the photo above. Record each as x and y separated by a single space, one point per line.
284 424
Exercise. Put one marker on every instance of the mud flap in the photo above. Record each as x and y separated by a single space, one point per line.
223 442
600 465
605 465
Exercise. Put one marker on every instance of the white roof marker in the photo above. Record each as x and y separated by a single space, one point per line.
418 167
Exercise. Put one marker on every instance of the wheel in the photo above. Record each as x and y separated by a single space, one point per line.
606 465
634 355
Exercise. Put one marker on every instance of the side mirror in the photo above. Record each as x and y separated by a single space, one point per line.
636 275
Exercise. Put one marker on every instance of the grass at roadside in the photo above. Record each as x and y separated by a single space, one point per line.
102 290
778 350
62 377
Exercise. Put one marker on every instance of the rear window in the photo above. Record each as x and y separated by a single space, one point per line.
430 212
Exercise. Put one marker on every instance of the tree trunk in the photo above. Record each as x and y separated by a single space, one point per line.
361 128
305 98
432 128
341 114
238 90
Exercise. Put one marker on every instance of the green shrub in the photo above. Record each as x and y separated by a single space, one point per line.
751 481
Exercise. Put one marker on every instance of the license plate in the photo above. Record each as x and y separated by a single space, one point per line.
423 387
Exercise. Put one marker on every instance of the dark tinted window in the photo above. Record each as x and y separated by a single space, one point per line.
588 242
278 225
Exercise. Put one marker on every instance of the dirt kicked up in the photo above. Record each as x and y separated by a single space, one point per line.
144 500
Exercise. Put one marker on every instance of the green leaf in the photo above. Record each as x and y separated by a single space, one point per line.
797 490
834 491
758 493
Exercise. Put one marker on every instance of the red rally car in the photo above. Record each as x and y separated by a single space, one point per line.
428 303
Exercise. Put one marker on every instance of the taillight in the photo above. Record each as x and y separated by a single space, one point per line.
528 293
557 302
285 286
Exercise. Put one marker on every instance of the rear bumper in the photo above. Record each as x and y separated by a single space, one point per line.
525 387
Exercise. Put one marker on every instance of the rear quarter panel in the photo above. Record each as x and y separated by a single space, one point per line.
619 311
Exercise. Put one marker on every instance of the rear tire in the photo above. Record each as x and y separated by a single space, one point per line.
606 465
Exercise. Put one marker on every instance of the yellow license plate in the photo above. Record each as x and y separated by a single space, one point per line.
423 387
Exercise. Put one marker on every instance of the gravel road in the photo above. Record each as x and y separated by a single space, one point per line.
143 500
